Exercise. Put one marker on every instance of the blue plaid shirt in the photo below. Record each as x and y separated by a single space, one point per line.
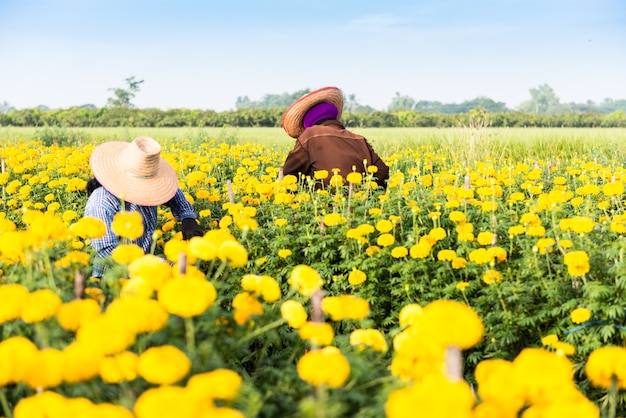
103 205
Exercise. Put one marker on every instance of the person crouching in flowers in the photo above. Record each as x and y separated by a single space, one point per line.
323 144
133 179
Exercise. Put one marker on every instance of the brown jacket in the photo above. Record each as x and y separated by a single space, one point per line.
330 145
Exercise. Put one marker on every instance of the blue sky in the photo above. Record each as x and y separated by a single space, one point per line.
204 54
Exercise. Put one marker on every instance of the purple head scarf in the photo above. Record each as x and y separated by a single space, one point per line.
318 112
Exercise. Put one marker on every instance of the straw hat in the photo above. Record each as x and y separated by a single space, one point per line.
134 171
294 115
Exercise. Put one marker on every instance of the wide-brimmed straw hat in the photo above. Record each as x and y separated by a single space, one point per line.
134 171
294 115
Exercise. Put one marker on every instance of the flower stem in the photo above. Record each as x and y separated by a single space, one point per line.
263 329
613 397
190 335
321 401
5 404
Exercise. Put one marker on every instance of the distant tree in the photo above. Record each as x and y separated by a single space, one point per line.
5 107
86 106
270 101
543 101
122 97
401 102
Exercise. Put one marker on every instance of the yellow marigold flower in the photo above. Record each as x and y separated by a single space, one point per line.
604 363
449 322
226 412
492 276
69 215
317 333
399 252
385 240
326 366
284 253
485 238
375 211
46 403
384 226
420 250
543 245
167 401
410 314
536 231
163 365
541 374
40 305
491 376
266 286
356 277
459 263
245 306
462 285
137 286
577 263
107 334
437 234
121 367
578 224
127 224
457 216
152 269
345 307
516 230
498 253
81 363
354 178
333 219
202 248
336 180
564 348
127 253
45 369
72 258
234 253
321 174
434 396
580 315
217 384
16 354
294 313
280 222
371 250
446 255
187 296
372 338
615 188
481 256
549 340
516 197
138 314
12 297
71 315
305 280
577 201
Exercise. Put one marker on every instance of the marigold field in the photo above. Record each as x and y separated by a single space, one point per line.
486 280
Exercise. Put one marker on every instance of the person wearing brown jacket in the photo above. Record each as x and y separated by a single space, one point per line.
323 143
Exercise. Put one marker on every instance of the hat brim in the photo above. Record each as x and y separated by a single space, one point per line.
293 118
108 170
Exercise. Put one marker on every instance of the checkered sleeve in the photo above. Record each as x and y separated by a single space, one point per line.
180 206
103 205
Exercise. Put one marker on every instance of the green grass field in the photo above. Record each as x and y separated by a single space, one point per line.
465 144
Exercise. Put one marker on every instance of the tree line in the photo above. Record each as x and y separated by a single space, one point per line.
543 109
260 117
